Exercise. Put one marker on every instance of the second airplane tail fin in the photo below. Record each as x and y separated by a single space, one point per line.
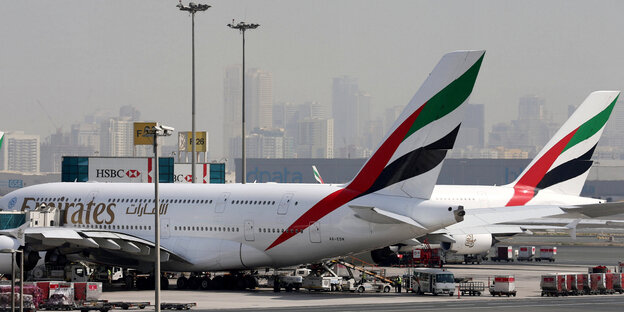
563 164
408 161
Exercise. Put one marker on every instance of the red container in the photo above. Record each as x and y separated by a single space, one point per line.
597 283
609 277
80 291
582 283
45 289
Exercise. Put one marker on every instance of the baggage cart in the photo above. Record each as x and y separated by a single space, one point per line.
503 285
609 277
618 282
471 288
502 253
526 253
547 253
597 284
553 285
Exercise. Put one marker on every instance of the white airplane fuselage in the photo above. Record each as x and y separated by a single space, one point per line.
231 226
481 196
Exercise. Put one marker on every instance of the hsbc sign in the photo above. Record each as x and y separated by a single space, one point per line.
119 173
120 169
182 173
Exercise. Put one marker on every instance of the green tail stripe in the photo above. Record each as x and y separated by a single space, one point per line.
448 99
591 126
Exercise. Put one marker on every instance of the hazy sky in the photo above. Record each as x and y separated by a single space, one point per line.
75 57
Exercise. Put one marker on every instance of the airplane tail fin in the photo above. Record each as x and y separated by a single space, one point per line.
563 164
409 159
1 138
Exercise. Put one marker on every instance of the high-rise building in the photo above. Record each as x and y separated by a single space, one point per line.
20 152
259 96
344 109
471 132
232 118
315 138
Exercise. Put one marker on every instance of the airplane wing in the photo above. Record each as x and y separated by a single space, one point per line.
96 245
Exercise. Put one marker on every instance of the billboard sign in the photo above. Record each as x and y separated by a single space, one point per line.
182 173
120 169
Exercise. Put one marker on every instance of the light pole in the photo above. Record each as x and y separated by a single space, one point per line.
155 132
242 27
193 8
13 254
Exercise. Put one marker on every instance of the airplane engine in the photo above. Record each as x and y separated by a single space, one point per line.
469 244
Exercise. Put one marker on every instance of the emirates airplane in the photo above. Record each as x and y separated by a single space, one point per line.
219 227
549 186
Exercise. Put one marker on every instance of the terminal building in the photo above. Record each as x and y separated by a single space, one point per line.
605 177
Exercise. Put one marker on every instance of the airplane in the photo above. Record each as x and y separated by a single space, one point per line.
549 186
225 227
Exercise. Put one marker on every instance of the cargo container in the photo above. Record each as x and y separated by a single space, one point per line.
597 283
554 284
526 253
502 253
582 283
547 254
609 277
572 285
618 282
503 285
87 291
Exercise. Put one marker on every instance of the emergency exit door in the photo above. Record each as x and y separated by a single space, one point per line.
249 230
315 232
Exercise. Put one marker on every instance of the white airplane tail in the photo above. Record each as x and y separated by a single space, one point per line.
409 159
563 164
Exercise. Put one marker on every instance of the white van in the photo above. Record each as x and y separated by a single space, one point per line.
433 281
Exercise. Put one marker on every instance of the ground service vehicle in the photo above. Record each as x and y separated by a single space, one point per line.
502 253
526 253
503 285
433 281
547 253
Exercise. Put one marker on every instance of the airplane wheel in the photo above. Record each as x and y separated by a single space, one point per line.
205 283
182 282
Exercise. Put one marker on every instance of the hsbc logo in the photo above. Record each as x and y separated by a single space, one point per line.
117 173
183 178
132 173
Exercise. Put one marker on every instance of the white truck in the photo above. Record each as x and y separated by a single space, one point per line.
289 282
433 281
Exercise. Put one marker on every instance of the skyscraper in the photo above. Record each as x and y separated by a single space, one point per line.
20 152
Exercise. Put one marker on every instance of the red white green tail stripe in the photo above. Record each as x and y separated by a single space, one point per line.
415 145
564 163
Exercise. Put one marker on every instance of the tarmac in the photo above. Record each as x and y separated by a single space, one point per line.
570 259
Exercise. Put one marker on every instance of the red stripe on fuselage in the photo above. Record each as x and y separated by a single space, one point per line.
362 182
524 190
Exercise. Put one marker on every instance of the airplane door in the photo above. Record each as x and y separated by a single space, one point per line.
164 228
249 230
282 209
315 232
220 206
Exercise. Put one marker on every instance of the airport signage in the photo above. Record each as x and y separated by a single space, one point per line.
140 128
185 138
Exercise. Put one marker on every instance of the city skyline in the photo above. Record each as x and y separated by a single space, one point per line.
71 58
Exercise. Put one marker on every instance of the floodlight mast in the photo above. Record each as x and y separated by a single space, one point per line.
242 27
193 8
